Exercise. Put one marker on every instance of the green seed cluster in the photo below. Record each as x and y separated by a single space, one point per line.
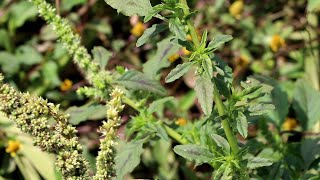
99 79
107 153
31 114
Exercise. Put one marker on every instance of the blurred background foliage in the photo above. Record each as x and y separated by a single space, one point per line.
276 38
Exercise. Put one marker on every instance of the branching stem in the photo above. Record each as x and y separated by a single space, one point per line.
217 97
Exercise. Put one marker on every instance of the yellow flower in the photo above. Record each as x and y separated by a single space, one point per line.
181 122
66 85
138 29
236 8
185 51
242 61
289 124
276 43
13 147
174 57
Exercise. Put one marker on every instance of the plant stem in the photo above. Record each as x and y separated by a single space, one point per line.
191 27
221 109
172 133
225 123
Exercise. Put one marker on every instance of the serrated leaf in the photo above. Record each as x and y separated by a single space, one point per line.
138 81
131 7
219 40
242 124
221 142
128 157
101 56
150 33
256 162
204 91
194 152
207 66
178 71
260 109
177 28
155 104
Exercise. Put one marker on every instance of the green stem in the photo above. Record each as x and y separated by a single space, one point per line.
172 133
225 123
221 109
191 27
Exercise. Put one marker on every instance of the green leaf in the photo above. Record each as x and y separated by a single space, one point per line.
86 112
178 71
138 81
131 7
20 12
204 91
221 142
50 71
67 5
260 109
310 151
150 33
155 104
242 124
165 48
256 162
177 28
128 157
101 56
218 41
9 63
161 132
41 161
207 66
28 55
194 152
306 103
313 5
187 101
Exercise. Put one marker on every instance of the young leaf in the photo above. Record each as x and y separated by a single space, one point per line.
131 7
242 124
221 142
218 41
177 28
178 71
155 104
204 90
161 132
207 66
260 108
256 162
151 32
101 56
138 81
128 157
194 152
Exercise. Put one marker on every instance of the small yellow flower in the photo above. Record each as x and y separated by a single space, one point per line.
13 147
236 9
276 43
289 124
185 51
181 121
174 57
242 61
66 85
189 38
138 29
